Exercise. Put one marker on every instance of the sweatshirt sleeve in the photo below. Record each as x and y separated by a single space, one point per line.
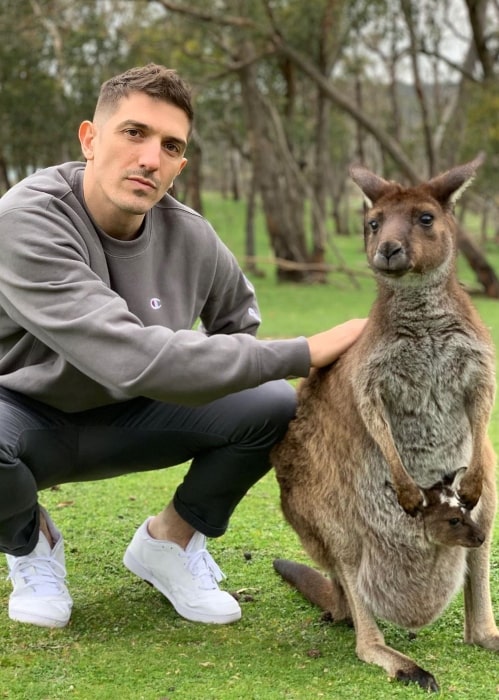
48 288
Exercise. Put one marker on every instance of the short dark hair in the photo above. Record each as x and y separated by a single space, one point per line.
157 81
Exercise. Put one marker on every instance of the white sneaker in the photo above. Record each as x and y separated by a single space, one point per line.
187 577
40 596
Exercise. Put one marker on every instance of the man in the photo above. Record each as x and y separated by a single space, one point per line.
103 277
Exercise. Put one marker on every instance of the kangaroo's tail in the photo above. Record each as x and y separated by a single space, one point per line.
313 585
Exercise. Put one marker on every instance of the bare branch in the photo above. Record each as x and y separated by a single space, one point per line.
463 69
219 19
384 139
271 16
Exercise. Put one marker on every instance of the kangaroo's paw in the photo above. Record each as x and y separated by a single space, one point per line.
410 498
470 490
397 665
491 642
418 675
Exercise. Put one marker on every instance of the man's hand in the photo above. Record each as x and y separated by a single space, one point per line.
327 346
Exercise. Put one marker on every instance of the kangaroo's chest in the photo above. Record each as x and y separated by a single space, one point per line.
423 384
424 379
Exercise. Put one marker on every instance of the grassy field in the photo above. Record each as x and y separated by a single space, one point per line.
125 642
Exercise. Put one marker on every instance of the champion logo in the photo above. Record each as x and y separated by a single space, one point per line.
155 303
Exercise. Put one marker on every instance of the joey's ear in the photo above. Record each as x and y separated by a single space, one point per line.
456 478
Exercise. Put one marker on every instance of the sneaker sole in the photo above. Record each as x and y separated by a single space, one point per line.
29 619
133 565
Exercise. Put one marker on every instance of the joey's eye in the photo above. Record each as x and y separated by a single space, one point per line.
454 521
373 225
426 219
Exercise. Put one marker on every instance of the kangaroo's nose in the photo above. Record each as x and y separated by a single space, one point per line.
391 258
389 248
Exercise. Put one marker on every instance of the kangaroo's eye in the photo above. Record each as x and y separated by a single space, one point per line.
373 225
426 219
454 521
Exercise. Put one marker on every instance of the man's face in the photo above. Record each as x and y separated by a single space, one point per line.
133 155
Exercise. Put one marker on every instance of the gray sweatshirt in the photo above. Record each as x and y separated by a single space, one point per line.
87 320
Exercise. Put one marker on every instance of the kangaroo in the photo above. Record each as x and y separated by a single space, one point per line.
407 405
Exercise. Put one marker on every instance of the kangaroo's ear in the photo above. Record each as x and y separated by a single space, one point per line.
454 480
372 186
449 186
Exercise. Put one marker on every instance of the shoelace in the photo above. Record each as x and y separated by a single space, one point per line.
202 565
44 574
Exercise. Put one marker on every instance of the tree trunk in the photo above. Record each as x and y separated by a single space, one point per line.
250 243
235 174
5 183
281 192
478 263
193 176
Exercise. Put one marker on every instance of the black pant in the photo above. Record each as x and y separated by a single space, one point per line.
228 440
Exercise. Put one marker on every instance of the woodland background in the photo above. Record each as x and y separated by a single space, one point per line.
287 94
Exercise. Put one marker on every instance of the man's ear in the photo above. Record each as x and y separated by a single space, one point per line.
182 166
86 134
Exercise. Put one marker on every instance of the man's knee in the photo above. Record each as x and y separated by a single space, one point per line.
278 401
264 412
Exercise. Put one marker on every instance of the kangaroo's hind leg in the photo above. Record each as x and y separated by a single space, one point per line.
480 627
370 643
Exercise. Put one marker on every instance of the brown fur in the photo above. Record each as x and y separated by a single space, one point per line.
406 405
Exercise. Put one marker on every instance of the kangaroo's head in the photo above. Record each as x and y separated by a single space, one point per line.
411 230
445 520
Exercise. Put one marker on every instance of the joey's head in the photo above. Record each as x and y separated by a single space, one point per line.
445 520
412 230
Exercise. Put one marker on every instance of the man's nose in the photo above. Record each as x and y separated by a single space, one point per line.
150 155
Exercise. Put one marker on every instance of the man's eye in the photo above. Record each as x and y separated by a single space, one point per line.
172 147
132 132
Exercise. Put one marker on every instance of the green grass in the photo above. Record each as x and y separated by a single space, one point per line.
125 642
